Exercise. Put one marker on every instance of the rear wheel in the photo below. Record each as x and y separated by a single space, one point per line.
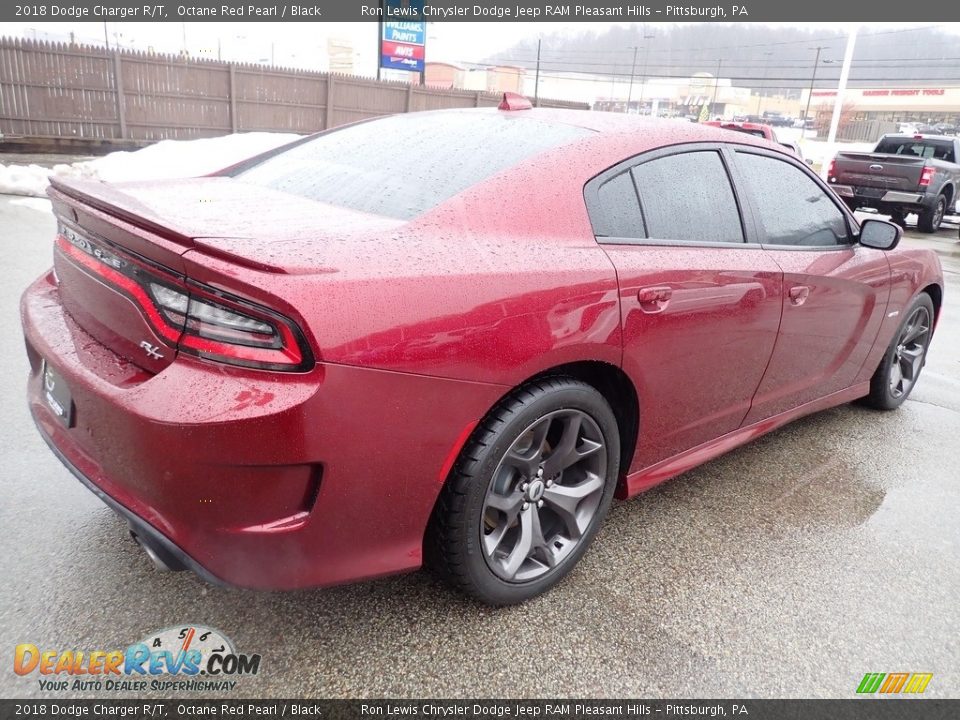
901 365
528 493
929 219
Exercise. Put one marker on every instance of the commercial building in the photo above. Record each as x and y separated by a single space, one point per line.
923 105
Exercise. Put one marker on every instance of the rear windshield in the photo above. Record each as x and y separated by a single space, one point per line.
402 165
938 149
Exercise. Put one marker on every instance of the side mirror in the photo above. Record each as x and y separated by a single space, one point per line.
880 234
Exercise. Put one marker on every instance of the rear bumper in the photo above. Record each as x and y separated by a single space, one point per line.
889 200
175 558
250 478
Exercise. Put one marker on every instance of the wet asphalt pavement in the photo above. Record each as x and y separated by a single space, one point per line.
789 567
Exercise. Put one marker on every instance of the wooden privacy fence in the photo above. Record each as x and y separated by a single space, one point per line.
84 92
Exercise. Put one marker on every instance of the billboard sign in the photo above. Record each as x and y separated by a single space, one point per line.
403 41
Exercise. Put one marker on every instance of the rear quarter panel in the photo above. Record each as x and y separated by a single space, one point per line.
911 270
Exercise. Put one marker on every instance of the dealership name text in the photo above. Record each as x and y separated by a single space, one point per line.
430 12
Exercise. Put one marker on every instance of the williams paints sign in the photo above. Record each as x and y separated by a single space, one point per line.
403 42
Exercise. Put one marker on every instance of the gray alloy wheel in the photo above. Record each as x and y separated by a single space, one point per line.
527 493
909 352
543 495
899 369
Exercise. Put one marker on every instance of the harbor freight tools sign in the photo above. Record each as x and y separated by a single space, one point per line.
403 40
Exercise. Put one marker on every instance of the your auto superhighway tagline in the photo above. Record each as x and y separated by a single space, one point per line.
445 10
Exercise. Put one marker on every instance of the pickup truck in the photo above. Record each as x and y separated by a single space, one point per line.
903 174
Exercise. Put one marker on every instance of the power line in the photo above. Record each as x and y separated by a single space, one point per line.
839 35
571 75
797 64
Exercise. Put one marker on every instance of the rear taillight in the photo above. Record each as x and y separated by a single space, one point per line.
926 177
830 170
197 319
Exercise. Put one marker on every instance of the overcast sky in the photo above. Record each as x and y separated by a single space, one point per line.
304 44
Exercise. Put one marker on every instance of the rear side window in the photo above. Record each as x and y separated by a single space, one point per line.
688 197
792 209
403 165
620 210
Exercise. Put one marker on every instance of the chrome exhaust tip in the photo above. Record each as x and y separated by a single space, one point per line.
158 562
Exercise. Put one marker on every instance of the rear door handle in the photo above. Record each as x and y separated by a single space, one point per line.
799 294
654 299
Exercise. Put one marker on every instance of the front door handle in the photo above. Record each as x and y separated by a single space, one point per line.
799 294
654 299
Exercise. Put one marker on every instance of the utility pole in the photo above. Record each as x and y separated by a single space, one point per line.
106 36
633 69
536 79
813 79
763 85
716 83
646 55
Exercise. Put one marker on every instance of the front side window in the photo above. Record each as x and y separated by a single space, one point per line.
791 208
688 197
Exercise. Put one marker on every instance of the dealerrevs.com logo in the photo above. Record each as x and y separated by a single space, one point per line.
180 658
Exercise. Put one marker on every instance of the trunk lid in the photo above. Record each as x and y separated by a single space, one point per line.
115 239
254 226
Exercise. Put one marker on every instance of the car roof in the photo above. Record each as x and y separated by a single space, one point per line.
672 130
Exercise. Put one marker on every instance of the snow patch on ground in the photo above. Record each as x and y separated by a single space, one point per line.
34 203
160 161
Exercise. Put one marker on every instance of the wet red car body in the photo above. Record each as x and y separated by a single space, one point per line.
404 333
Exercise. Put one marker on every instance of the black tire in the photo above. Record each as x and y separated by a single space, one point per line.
884 394
460 527
929 219
899 219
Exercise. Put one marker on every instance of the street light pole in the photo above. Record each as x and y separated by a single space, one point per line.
816 62
633 70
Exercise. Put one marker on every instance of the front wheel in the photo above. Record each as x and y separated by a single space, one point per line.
901 365
528 493
930 219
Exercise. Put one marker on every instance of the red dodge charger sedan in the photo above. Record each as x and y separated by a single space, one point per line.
450 338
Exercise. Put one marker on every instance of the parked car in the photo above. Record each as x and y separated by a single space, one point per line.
757 130
760 130
451 337
795 149
903 174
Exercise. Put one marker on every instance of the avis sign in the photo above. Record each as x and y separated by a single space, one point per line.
403 37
